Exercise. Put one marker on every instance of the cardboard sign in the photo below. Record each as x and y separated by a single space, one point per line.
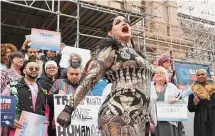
67 51
32 125
45 40
171 112
8 108
84 120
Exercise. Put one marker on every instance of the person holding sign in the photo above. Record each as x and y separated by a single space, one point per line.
162 90
52 55
202 102
125 110
29 94
32 54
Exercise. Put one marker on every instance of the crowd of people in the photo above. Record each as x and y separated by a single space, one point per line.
136 84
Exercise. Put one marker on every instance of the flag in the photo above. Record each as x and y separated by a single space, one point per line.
186 91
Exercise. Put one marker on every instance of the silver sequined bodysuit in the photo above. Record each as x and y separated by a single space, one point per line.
125 110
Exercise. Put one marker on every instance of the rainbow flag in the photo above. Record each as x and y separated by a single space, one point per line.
186 91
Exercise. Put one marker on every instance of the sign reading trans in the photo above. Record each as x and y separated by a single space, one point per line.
84 120
8 107
45 40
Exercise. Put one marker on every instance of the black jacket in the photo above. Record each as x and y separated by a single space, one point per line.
22 92
46 82
204 120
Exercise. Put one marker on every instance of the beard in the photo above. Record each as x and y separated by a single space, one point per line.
32 76
33 57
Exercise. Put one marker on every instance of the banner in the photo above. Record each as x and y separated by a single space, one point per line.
67 51
186 72
84 120
45 40
8 108
32 125
171 112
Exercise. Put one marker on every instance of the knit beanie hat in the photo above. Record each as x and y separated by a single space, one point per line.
50 62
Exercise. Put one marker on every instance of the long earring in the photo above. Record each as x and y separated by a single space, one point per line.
132 43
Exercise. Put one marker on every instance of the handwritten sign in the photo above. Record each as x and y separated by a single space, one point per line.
84 120
45 40
8 108
32 125
171 112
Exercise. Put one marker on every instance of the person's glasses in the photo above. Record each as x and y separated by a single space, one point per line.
51 68
34 68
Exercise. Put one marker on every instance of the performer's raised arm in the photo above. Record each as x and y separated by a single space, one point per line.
104 61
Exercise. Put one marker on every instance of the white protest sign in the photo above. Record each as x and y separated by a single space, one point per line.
67 51
171 112
84 120
45 40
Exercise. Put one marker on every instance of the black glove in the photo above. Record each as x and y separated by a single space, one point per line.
64 118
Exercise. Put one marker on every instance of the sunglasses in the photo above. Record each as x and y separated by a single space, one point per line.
34 68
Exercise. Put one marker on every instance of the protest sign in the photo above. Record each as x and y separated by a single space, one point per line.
32 125
45 40
8 107
171 112
84 120
67 51
186 72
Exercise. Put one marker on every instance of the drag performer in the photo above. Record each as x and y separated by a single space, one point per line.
125 110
